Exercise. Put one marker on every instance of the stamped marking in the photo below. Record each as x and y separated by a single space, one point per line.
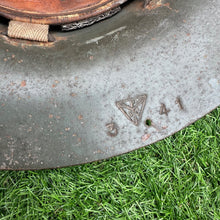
164 110
112 129
133 108
179 103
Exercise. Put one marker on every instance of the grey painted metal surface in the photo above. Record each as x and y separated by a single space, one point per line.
88 95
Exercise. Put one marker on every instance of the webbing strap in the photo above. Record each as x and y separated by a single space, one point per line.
28 31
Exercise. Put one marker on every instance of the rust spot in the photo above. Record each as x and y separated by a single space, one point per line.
80 117
145 137
157 4
73 94
23 83
123 86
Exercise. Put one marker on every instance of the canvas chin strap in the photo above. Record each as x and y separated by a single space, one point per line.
28 31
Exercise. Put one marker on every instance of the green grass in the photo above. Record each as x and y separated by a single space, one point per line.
177 178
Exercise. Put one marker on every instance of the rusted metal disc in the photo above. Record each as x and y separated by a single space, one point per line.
55 11
113 87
